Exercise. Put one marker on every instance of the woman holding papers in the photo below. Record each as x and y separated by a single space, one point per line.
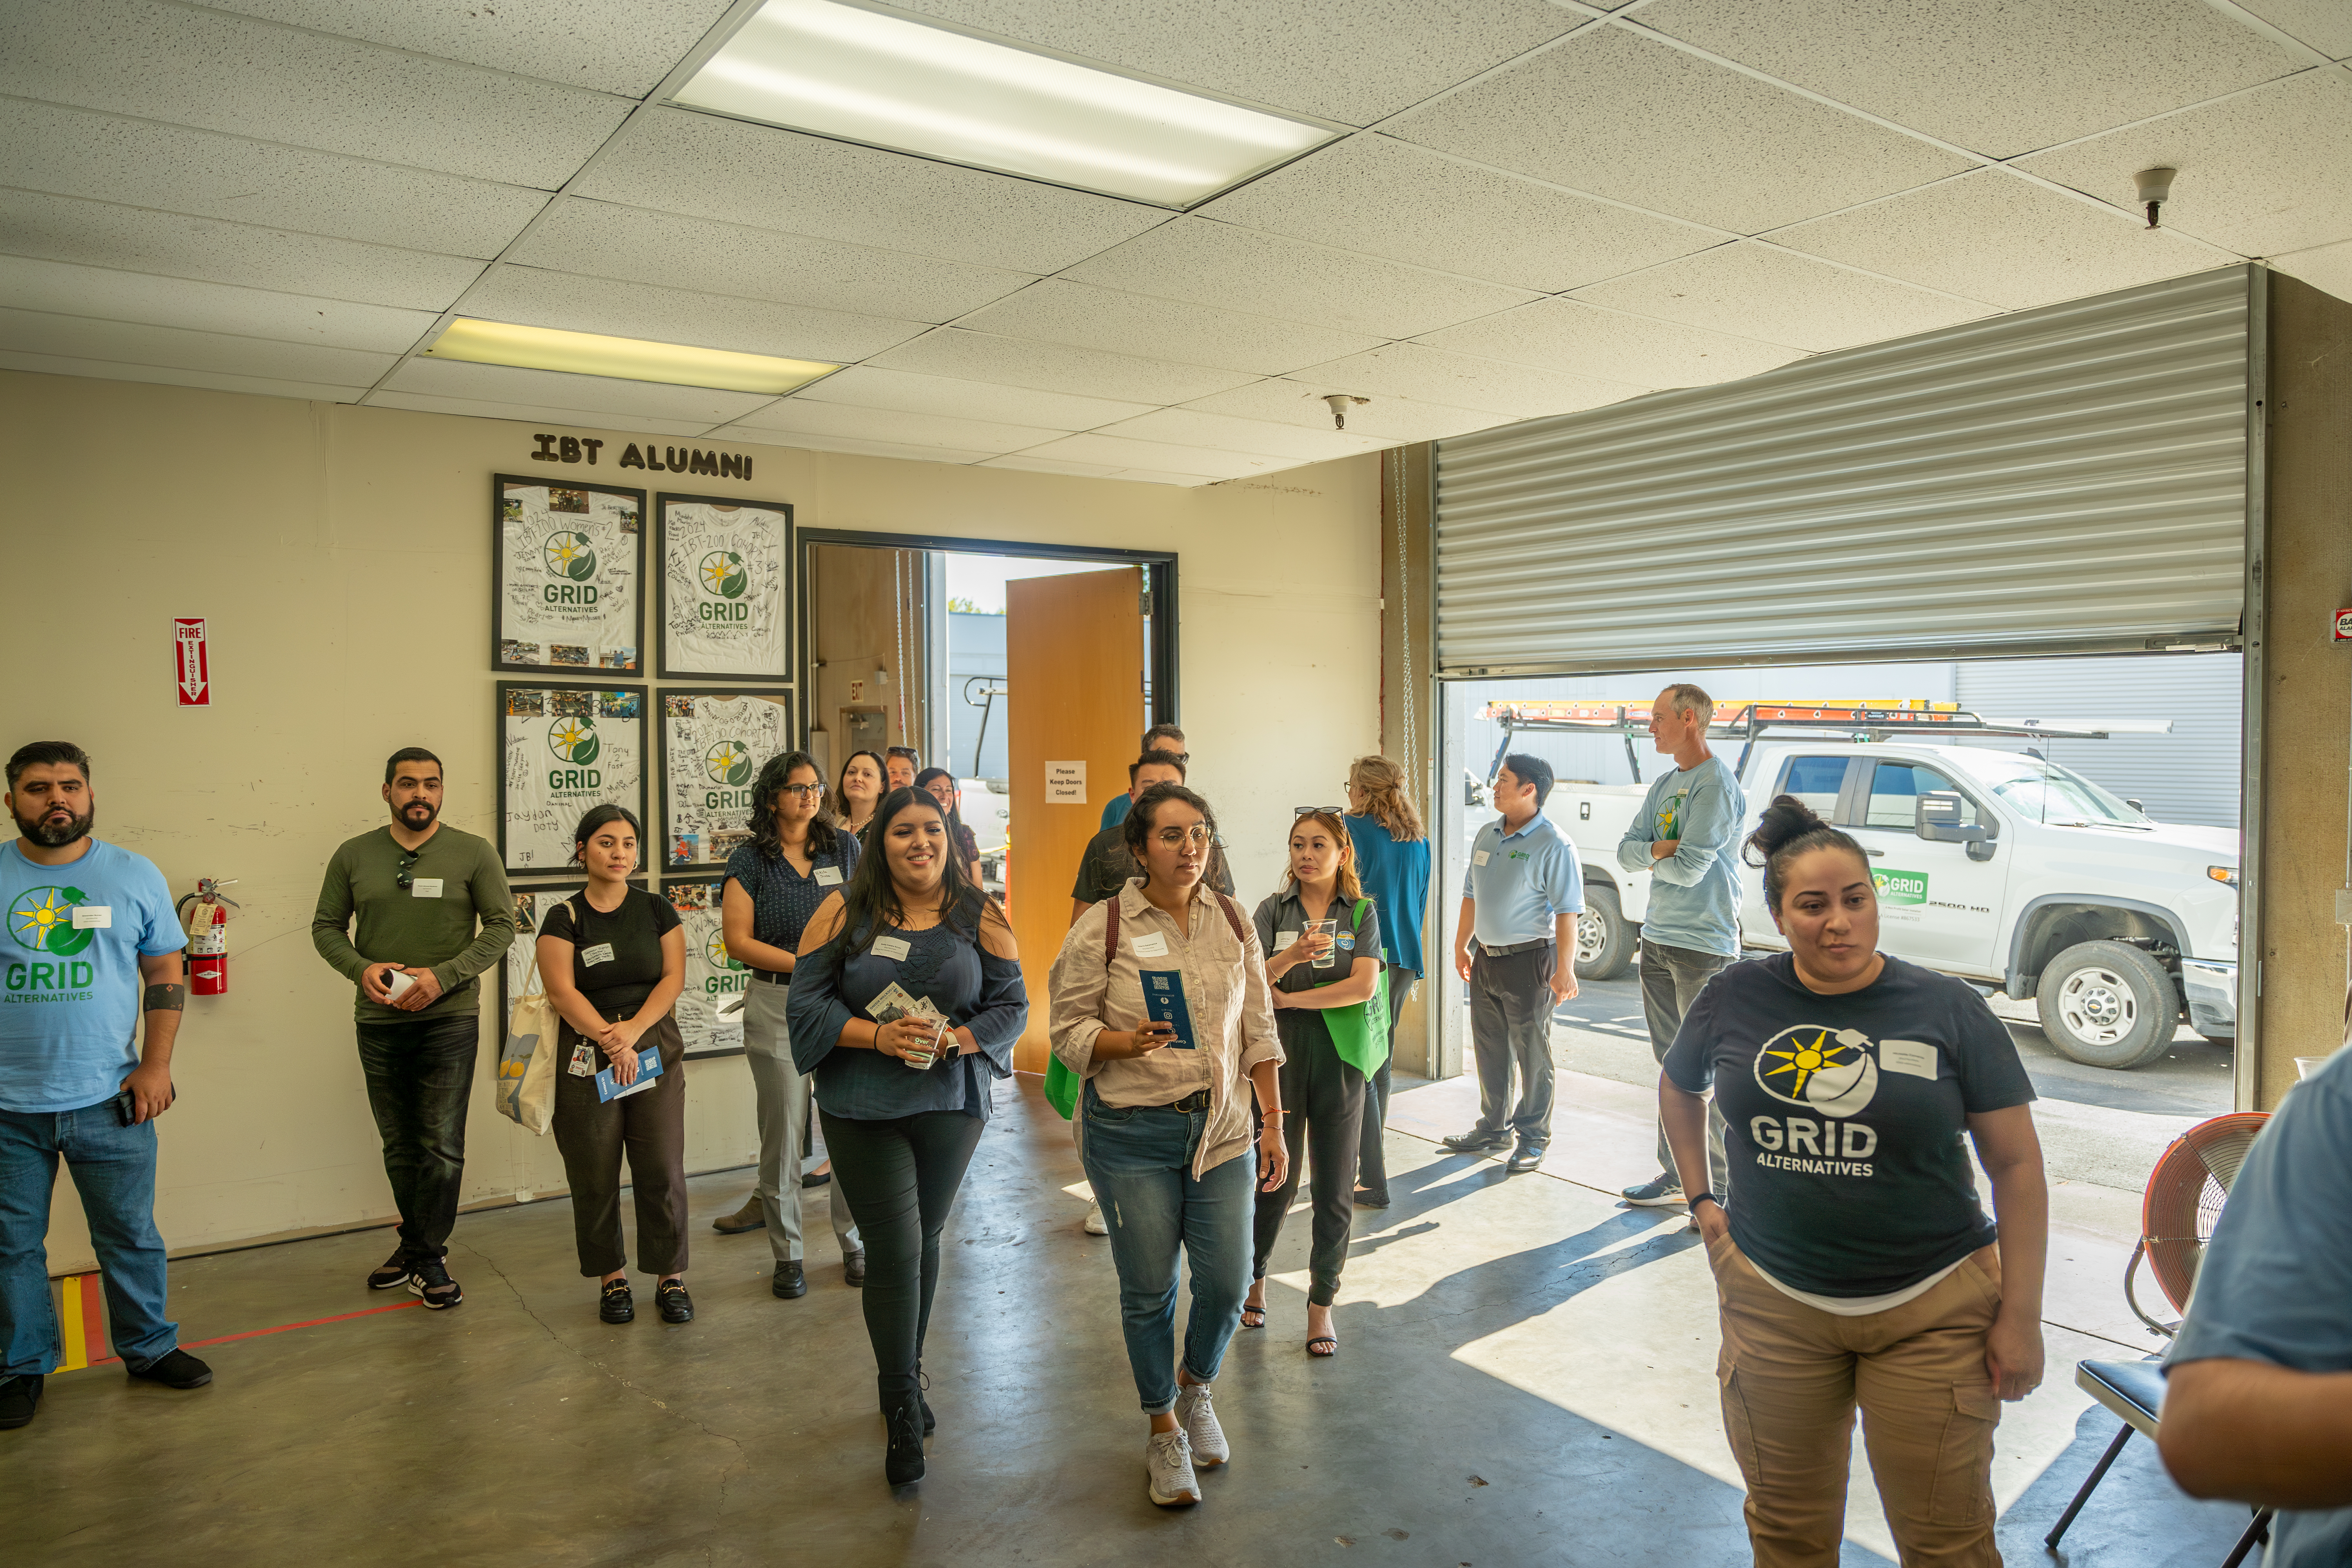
906 1001
1161 1005
612 959
1322 940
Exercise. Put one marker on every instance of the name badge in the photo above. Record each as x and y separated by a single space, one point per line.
894 948
1916 1058
1283 939
425 887
1154 945
600 953
583 1062
828 876
1479 857
93 917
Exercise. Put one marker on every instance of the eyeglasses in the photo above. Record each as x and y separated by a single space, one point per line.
406 876
1310 810
804 791
1177 838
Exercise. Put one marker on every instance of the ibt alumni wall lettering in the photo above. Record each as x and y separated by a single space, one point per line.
676 460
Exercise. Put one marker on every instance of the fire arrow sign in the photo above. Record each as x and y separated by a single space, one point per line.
194 672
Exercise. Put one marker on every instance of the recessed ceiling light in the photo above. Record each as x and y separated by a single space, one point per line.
837 70
626 359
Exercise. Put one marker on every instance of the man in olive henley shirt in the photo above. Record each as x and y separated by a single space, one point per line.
434 913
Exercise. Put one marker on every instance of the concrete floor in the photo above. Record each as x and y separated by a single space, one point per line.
1525 1377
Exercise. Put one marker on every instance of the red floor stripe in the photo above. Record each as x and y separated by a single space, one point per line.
282 1327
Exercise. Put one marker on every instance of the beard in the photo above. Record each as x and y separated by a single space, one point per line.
417 816
51 833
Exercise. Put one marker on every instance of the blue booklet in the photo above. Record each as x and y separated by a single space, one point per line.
1163 1003
648 1068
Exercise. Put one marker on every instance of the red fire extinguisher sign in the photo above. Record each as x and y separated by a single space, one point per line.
192 670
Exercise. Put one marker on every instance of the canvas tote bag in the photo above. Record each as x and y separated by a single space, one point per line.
525 1094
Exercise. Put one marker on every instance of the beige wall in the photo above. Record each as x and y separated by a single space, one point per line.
341 557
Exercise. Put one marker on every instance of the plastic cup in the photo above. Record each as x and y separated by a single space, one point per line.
1330 955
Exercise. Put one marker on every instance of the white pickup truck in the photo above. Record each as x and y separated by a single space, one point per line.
1994 865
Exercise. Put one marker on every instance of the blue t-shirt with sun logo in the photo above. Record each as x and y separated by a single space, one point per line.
1845 1119
70 981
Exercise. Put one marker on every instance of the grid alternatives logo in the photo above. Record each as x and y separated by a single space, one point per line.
574 741
569 556
728 764
724 575
41 920
1900 887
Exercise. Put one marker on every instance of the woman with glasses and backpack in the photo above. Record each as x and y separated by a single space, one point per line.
1322 941
1160 1009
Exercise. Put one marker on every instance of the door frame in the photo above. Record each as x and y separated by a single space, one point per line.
1160 659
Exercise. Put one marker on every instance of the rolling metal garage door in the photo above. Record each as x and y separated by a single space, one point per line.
2070 478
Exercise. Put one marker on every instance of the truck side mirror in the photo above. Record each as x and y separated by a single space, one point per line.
1939 819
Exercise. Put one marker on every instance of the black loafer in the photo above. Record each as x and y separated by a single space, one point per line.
816 1178
617 1305
1525 1157
1371 1200
1474 1142
789 1281
19 1397
676 1306
172 1369
853 1268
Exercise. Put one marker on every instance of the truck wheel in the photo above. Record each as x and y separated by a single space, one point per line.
1604 943
2106 1005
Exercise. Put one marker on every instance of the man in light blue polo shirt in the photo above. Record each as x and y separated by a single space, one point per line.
1515 944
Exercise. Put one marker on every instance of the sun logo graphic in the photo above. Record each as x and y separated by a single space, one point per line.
728 763
724 575
1832 1072
569 556
574 741
716 950
42 920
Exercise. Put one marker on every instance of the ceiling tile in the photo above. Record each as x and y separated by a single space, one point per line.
2251 167
1352 63
97 234
869 386
705 166
27 284
624 48
2002 78
2327 267
132 343
1391 418
1431 375
1158 457
2324 25
557 389
141 163
647 246
1563 335
1750 290
1388 198
168 375
1054 367
1223 432
523 413
1051 465
850 444
1994 236
1061 311
537 298
1240 269
1639 120
1153 477
894 426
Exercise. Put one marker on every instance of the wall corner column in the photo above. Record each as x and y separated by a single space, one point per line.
1409 719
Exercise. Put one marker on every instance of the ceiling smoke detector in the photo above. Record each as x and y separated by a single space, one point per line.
2154 186
1339 402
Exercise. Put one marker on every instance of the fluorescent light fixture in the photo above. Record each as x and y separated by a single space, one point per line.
861 76
624 359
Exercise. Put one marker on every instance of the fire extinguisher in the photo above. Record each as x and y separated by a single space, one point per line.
207 926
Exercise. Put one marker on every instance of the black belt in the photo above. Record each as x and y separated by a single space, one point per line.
773 977
1198 1101
1508 948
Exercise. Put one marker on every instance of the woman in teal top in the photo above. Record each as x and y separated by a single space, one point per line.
1392 861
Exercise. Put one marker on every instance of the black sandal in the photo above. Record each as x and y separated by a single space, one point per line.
1330 1339
1249 1312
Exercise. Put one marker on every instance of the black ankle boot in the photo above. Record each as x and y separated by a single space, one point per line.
902 1462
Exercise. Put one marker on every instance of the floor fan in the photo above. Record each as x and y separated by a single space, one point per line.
2184 1199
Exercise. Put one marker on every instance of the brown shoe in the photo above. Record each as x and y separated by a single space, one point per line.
750 1217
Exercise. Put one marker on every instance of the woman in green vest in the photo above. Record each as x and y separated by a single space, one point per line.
1322 941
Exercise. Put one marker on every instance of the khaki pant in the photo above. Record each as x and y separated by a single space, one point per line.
1792 1376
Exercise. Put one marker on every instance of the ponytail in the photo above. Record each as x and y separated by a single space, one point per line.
1790 828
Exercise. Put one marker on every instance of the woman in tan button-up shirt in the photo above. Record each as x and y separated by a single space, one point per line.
1164 1124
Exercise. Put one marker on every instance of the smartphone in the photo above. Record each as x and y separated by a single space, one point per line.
126 1109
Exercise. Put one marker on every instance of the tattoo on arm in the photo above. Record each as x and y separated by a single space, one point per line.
170 998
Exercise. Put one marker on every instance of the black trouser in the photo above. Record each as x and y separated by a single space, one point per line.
1371 1156
900 1177
651 1126
1323 1101
1510 1024
419 1076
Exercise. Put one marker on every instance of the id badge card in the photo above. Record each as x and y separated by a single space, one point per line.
584 1061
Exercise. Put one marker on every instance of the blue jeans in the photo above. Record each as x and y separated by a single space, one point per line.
113 1169
419 1076
1139 1161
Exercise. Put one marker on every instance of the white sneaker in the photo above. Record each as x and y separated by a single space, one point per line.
1199 1419
1095 1224
1168 1469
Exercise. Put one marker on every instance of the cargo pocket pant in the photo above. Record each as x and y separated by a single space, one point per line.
1791 1377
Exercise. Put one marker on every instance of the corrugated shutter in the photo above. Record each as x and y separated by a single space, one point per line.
2071 477
2189 775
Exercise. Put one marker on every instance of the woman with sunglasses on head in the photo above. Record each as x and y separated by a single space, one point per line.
940 785
857 791
903 1101
612 959
1392 861
1854 1264
1322 942
1164 1119
796 860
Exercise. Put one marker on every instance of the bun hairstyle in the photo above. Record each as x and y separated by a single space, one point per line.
1136 831
1790 828
600 816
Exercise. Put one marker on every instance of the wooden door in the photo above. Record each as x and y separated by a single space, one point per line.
1073 667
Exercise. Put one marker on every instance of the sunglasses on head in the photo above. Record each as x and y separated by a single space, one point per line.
1310 810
